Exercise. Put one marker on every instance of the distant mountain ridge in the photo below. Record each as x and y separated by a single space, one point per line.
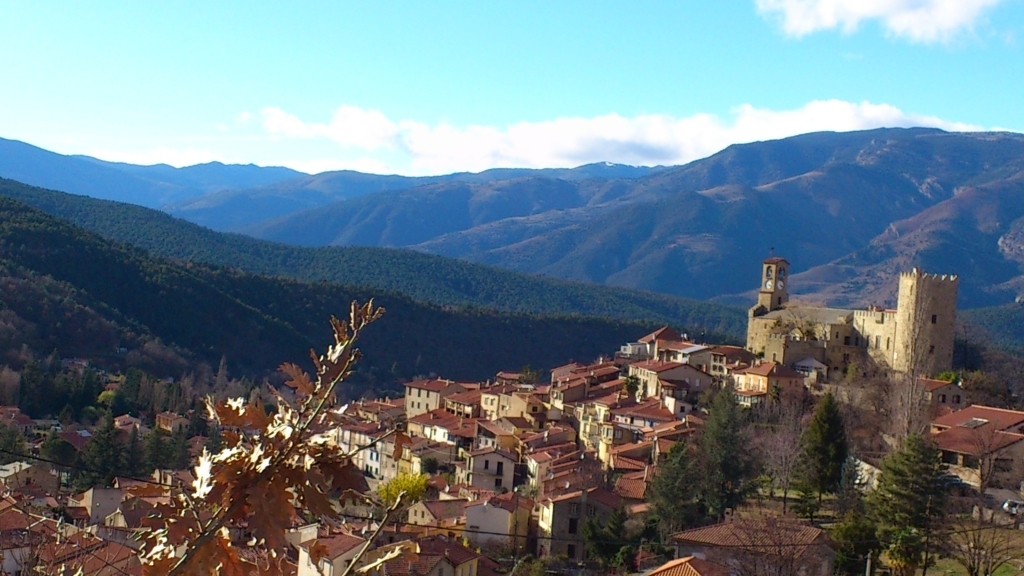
849 210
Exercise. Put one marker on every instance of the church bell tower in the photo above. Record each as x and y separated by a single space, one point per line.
774 284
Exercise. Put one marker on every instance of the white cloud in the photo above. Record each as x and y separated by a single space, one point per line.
176 157
414 147
918 20
350 126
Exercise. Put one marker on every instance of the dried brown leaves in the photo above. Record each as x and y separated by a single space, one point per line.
274 467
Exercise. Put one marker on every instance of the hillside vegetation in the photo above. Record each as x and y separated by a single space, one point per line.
422 277
71 290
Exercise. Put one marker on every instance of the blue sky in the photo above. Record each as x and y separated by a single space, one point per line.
434 87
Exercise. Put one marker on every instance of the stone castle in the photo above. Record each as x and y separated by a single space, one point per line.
915 339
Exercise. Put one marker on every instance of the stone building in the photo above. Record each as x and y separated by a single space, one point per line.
915 338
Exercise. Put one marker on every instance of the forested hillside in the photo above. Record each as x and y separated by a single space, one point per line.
73 291
420 276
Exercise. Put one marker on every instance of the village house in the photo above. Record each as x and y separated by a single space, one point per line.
673 382
422 396
466 404
561 519
170 422
340 549
490 520
489 468
765 380
982 445
942 395
97 503
18 474
775 545
386 411
439 513
12 417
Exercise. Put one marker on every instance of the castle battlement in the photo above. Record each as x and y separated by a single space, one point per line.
917 273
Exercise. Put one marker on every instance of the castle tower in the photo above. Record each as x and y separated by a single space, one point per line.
774 279
925 325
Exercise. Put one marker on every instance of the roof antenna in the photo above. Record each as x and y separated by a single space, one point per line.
771 252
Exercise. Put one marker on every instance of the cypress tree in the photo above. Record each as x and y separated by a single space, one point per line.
825 448
726 464
156 453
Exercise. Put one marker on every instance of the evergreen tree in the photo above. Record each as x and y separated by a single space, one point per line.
825 448
727 467
214 441
59 450
179 456
156 451
854 537
909 500
672 493
134 455
12 442
103 456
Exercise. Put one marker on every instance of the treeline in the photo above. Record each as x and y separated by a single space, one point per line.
421 277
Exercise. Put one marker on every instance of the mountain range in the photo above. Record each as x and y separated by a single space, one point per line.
849 210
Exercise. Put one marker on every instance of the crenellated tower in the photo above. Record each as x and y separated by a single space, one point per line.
926 323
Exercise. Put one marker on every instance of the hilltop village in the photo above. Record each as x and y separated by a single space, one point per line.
562 473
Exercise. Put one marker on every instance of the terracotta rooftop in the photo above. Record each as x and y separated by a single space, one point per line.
980 441
664 333
771 369
762 534
689 566
657 366
431 385
933 385
1000 418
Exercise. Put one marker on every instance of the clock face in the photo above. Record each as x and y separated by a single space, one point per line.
768 285
781 284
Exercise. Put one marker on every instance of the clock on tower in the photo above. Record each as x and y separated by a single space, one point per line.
774 274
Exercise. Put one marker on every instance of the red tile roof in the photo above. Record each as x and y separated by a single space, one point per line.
432 385
759 534
664 333
657 366
689 566
337 544
1000 418
933 385
771 369
976 442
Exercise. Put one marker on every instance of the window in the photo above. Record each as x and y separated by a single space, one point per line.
574 509
878 342
497 482
856 341
500 469
419 393
887 342
935 318
942 398
779 301
573 525
487 464
572 551
591 511
846 340
956 399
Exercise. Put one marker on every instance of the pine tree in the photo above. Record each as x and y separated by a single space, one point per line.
102 458
12 443
179 450
909 500
727 468
134 455
156 451
825 448
854 538
672 494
